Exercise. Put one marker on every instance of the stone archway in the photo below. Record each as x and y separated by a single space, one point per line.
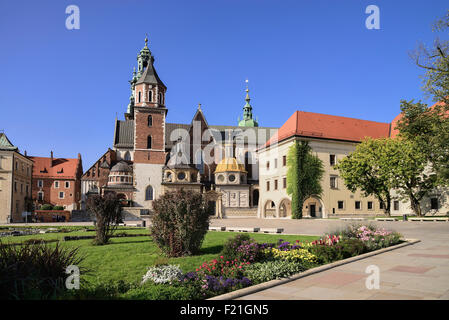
313 208
285 208
269 209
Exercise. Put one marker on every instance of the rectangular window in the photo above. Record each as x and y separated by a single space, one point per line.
268 185
21 188
56 184
27 189
381 205
40 196
15 186
284 161
396 205
275 184
358 205
40 183
67 184
61 195
275 163
370 205
284 182
434 203
341 205
333 182
268 165
332 159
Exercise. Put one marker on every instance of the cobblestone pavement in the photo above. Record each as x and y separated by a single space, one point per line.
419 271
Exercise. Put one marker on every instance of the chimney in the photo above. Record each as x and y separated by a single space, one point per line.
51 156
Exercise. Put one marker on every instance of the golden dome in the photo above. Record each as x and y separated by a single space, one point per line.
230 164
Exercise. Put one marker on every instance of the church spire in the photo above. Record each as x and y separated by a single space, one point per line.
144 58
248 120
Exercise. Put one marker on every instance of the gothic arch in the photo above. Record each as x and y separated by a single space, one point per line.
269 209
285 208
149 193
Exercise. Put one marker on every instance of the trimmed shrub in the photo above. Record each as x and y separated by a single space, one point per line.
47 207
180 222
350 248
58 208
325 253
35 271
266 271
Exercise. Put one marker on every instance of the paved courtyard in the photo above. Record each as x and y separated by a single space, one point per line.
419 271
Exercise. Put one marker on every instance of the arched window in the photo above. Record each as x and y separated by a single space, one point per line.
159 98
199 161
149 142
140 94
249 164
150 121
149 193
127 156
150 96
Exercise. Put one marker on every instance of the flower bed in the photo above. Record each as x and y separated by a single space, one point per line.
244 262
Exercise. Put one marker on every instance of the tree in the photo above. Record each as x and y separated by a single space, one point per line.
108 212
368 169
180 222
435 62
304 175
429 129
413 178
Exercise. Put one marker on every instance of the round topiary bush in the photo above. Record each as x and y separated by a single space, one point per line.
180 222
47 207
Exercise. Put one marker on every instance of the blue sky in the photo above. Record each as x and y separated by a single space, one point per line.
61 89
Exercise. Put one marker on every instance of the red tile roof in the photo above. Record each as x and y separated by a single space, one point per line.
323 126
394 123
62 168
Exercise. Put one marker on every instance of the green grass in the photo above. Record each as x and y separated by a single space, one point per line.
128 258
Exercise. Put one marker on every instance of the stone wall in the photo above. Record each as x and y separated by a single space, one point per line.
239 212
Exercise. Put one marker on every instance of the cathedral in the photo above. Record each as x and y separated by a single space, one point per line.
150 156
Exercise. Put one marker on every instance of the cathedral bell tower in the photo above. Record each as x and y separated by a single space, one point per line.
148 100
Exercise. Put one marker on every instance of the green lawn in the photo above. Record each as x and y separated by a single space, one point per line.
128 258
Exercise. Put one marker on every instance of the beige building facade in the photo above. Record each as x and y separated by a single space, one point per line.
15 182
336 199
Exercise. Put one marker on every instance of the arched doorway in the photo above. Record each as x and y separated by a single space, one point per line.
313 208
285 208
255 197
269 209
